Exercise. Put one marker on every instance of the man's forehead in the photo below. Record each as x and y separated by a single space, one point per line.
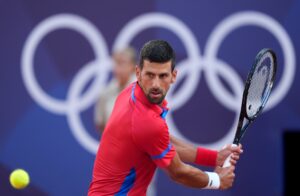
157 67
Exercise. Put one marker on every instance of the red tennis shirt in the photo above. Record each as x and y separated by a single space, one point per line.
135 141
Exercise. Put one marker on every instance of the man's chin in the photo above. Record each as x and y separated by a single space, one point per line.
156 100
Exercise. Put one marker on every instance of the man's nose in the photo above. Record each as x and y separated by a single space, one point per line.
155 82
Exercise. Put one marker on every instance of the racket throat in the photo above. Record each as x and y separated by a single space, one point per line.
241 129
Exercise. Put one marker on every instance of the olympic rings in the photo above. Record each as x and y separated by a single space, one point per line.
193 65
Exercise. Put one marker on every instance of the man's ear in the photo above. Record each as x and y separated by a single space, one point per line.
138 72
174 76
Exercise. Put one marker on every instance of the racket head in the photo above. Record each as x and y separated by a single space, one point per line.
259 83
258 87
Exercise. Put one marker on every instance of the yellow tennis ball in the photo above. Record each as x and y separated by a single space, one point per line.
19 179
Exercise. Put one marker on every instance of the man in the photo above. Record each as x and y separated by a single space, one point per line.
123 74
136 139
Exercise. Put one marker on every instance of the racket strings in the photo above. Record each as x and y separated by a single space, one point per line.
260 85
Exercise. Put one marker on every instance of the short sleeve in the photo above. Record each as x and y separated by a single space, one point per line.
153 138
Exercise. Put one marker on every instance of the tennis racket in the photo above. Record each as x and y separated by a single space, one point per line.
257 91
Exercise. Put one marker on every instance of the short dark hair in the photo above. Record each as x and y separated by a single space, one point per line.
158 51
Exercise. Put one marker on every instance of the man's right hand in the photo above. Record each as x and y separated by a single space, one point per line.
226 175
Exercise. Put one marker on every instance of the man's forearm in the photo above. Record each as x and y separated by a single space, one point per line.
187 152
192 177
191 154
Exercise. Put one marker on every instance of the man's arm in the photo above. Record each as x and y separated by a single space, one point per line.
191 154
193 177
187 152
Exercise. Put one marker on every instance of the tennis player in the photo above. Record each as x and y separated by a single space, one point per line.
136 139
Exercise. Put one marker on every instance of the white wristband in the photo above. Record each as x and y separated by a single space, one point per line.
213 181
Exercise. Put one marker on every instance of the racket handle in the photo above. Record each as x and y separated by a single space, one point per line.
227 160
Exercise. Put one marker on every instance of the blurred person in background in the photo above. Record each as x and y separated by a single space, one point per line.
124 62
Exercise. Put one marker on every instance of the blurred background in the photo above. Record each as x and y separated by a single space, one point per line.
56 60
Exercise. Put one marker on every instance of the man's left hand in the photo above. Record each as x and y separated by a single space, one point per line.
228 150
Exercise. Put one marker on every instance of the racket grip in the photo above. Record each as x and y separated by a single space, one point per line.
227 160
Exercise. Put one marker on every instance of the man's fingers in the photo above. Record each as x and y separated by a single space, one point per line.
233 162
237 149
235 157
241 148
232 168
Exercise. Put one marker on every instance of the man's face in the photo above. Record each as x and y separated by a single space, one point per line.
155 79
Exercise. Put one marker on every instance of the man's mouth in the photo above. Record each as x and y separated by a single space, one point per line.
155 94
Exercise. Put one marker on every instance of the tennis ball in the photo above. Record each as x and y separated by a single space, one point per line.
19 179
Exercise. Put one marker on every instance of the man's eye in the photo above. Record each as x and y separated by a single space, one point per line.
150 75
163 76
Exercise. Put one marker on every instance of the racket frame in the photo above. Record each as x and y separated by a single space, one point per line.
244 119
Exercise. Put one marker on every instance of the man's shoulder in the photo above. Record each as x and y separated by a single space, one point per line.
148 127
147 119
